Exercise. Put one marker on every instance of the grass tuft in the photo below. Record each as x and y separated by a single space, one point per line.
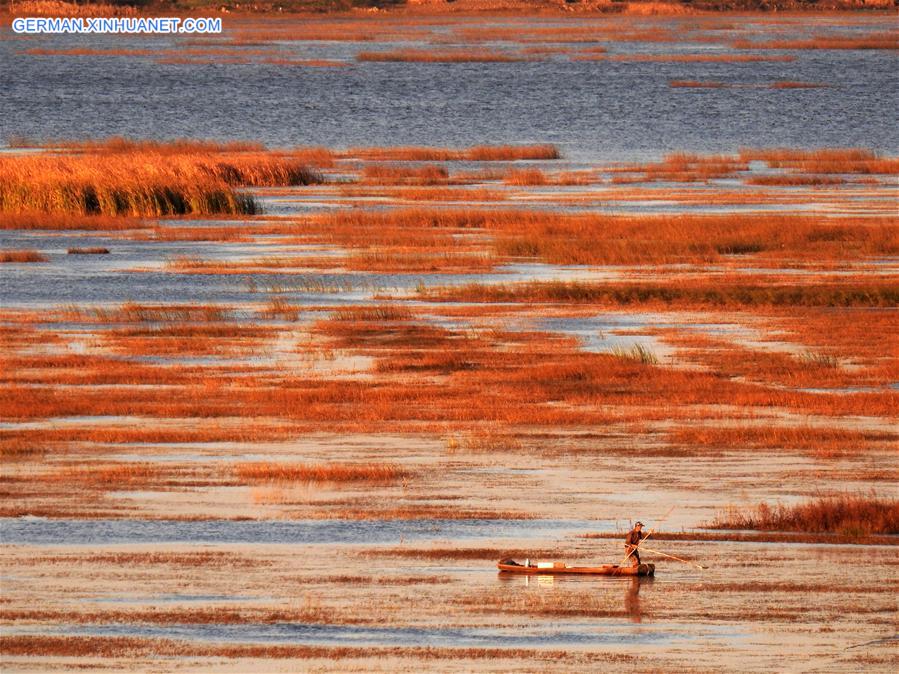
847 514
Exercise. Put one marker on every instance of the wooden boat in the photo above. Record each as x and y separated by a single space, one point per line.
539 568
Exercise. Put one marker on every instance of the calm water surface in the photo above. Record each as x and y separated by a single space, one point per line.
592 110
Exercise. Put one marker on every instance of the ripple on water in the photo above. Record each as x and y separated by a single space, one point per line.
42 531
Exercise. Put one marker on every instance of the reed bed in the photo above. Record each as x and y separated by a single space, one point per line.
530 176
330 472
381 174
703 293
88 251
66 222
794 180
18 256
847 514
422 56
143 180
793 84
596 238
880 41
824 442
826 160
696 84
700 58
474 154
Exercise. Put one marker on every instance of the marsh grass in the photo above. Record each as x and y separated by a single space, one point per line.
637 353
331 472
477 153
144 179
17 256
684 294
422 56
88 251
847 514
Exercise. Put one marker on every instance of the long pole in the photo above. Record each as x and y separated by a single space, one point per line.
665 554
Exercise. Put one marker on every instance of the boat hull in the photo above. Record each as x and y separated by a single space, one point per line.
510 566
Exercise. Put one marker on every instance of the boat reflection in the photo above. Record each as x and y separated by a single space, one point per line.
633 608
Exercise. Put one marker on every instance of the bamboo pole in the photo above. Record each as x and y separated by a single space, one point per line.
680 559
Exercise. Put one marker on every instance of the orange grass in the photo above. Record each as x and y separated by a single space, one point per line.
596 238
107 476
825 442
848 514
792 84
122 178
794 180
22 256
323 472
826 160
477 153
380 174
530 176
131 647
88 251
682 294
699 58
888 41
421 56
681 167
65 222
696 84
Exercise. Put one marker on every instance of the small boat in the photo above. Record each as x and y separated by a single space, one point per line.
511 566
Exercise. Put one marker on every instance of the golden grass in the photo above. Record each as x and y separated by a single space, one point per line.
847 514
130 647
887 41
22 256
422 56
696 84
143 179
477 153
826 160
596 238
323 472
381 174
797 180
793 84
530 176
683 294
824 442
88 251
65 222
699 58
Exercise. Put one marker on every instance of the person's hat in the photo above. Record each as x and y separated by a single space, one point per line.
639 524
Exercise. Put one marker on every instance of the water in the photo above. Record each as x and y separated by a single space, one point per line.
41 531
592 110
560 635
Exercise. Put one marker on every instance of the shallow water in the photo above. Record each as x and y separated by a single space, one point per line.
40 531
600 109
557 635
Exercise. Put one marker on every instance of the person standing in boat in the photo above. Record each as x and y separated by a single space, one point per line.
633 539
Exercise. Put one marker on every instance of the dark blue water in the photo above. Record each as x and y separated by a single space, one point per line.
592 110
40 531
559 636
